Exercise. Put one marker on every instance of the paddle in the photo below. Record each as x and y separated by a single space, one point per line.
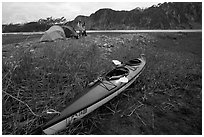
116 62
123 80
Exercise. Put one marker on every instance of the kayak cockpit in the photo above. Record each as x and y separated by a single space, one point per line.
134 62
117 73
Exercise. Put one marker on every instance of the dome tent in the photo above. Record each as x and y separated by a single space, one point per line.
53 33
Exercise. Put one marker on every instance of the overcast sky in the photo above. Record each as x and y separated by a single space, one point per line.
21 12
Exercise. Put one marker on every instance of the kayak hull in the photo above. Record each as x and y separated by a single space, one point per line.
84 112
98 95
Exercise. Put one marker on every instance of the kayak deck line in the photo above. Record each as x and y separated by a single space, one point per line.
108 83
72 118
85 108
99 89
100 79
67 121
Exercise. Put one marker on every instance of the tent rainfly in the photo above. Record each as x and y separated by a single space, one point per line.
70 32
53 33
57 32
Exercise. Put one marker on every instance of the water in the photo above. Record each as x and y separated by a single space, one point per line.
136 31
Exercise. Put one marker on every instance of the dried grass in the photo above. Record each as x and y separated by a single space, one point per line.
43 76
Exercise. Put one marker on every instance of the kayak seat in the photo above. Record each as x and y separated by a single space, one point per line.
117 73
134 62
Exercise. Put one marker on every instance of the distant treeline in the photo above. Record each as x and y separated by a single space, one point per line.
172 15
40 25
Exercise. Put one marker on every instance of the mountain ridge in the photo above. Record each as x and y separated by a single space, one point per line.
171 15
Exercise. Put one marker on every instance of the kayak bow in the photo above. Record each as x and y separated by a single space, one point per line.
102 91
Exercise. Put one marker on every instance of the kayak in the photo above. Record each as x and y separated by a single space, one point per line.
98 93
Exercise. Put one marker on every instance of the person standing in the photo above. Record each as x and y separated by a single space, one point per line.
84 29
80 28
